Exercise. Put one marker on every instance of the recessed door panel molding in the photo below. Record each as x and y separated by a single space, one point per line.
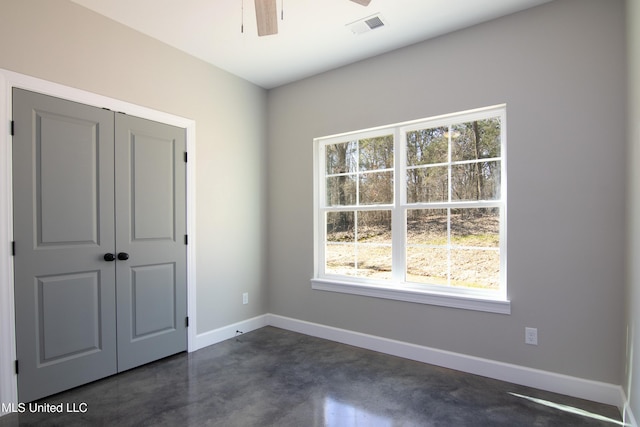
152 167
66 166
68 330
153 300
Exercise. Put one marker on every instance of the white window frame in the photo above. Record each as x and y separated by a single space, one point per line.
495 301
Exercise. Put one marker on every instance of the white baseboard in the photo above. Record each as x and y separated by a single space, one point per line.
224 333
571 386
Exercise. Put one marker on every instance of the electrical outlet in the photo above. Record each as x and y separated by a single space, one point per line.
531 336
245 298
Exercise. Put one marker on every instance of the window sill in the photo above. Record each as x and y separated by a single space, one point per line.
467 302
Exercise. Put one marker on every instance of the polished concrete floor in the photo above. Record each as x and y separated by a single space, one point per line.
273 377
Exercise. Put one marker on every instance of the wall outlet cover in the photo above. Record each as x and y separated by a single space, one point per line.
531 336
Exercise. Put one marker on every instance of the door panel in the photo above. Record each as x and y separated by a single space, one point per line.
153 194
153 306
68 161
63 225
151 224
68 330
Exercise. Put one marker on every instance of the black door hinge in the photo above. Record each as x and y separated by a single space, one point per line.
13 248
185 157
13 128
186 239
17 370
186 321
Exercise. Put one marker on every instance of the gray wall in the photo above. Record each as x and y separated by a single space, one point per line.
59 41
631 382
560 68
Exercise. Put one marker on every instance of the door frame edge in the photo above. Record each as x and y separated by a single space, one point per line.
8 81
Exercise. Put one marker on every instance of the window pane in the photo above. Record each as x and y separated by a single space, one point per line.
479 139
341 158
428 185
475 181
427 265
374 261
341 190
475 268
341 259
340 250
478 227
376 153
374 244
427 227
376 188
427 146
371 255
374 226
341 227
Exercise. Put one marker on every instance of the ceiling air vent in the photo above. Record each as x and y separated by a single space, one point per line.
367 24
374 22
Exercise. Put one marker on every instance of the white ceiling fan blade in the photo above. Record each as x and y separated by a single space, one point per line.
266 17
362 2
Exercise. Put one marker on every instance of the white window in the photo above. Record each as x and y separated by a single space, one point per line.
415 211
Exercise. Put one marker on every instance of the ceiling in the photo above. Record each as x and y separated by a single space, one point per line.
313 36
